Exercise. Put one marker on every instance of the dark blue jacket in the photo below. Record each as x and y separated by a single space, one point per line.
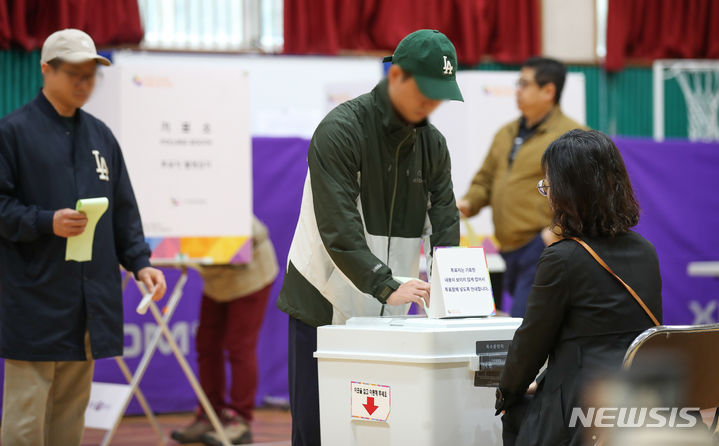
46 303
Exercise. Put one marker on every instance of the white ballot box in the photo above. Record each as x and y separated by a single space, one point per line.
411 380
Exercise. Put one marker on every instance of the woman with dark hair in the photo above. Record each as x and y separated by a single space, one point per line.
579 316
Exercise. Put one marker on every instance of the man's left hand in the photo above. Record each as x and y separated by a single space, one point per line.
154 281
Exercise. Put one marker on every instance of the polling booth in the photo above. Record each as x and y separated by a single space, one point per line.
189 162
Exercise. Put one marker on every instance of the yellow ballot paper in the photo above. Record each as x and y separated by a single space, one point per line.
79 247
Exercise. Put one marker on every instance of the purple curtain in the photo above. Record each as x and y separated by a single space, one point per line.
676 185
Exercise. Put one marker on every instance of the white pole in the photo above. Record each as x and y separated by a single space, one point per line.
658 81
149 351
141 399
209 411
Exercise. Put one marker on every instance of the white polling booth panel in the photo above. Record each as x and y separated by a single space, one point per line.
288 96
188 153
411 380
185 123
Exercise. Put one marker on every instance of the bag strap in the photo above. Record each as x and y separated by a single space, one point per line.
631 291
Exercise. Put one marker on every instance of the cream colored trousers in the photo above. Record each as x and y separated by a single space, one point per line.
44 402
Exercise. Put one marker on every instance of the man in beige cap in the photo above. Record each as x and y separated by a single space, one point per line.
56 316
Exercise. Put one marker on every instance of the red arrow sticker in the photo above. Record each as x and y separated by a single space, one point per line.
370 401
370 405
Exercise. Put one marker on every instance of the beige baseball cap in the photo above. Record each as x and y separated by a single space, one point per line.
70 45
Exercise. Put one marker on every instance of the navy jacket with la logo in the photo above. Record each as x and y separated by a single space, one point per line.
46 303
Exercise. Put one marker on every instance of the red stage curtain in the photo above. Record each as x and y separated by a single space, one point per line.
661 29
4 26
27 23
507 30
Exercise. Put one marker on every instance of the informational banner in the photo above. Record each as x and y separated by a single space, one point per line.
470 126
184 132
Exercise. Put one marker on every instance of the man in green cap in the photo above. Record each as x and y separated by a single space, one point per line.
379 181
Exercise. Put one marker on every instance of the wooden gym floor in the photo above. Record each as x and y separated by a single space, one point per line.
271 427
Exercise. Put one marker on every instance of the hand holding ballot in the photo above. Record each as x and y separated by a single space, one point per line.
414 290
68 222
79 245
154 281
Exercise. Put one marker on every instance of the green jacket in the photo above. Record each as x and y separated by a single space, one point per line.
368 172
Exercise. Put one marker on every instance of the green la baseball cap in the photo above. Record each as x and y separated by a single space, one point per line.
430 57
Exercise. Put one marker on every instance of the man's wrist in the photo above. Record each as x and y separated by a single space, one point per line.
44 222
138 265
386 289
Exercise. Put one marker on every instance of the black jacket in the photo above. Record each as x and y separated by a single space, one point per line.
583 320
46 303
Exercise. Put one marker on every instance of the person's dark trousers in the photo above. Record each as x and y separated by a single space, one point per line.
304 386
512 421
519 275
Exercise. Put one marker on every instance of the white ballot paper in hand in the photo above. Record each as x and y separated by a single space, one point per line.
460 284
79 247
144 304
404 280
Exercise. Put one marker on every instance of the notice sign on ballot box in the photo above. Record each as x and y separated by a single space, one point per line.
371 401
460 284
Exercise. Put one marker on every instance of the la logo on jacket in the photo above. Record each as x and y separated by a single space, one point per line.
102 170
